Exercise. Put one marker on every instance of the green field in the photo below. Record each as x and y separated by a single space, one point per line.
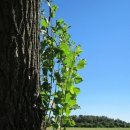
96 129
101 129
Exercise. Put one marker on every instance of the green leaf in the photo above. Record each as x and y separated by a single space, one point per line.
60 21
81 64
78 50
67 97
54 7
72 89
77 91
42 93
72 102
64 47
53 10
44 22
72 123
67 111
76 107
78 79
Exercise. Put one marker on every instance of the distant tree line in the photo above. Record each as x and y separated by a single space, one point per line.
98 121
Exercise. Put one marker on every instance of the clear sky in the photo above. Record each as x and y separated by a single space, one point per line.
103 29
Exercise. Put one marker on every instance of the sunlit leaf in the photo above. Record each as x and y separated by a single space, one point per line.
81 64
67 111
54 7
78 50
78 79
76 90
67 97
72 89
60 21
44 22
72 102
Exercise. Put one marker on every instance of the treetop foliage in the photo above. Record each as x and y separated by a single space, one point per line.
98 121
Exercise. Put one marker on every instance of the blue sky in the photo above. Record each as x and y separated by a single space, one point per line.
102 27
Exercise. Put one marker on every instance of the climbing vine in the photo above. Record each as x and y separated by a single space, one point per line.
60 62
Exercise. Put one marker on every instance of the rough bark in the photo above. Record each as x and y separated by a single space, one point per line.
19 65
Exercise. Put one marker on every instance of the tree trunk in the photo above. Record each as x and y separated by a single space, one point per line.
19 65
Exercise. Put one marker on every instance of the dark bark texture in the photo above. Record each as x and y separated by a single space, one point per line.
19 65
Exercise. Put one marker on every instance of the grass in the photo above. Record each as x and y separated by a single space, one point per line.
96 129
